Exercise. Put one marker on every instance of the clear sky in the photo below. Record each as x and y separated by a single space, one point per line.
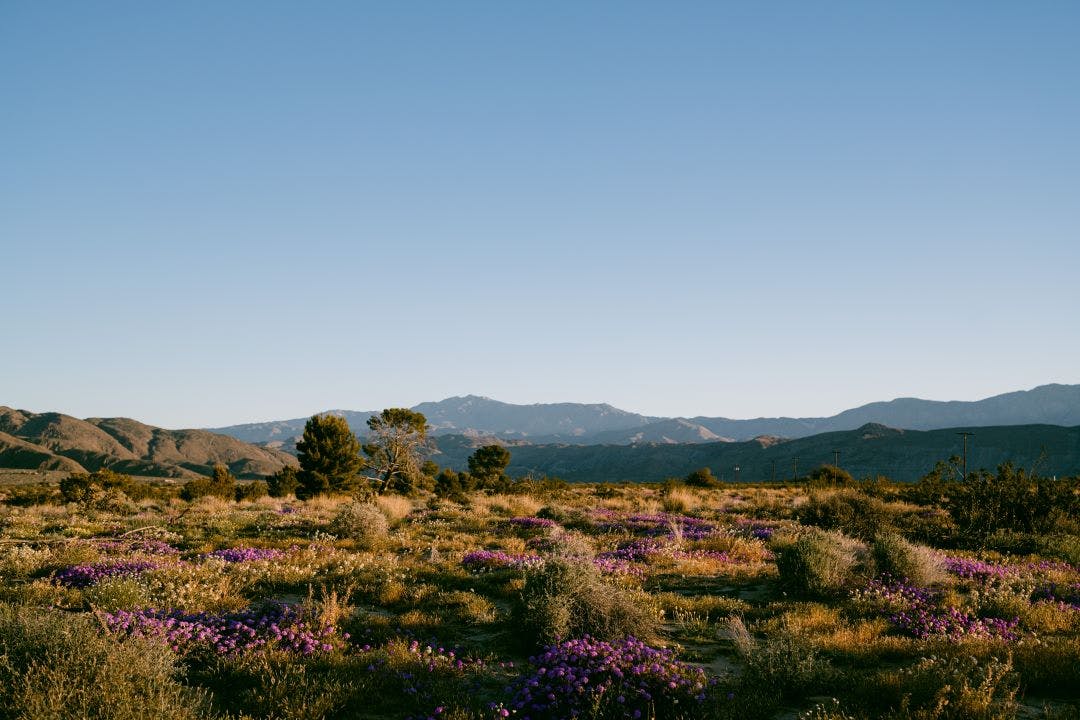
219 212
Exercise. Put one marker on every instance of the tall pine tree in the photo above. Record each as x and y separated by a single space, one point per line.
329 455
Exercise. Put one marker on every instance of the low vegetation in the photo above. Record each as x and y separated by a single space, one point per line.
399 590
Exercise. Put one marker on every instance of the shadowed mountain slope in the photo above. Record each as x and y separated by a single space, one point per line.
868 451
60 442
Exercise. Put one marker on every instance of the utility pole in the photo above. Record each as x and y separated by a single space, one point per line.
736 473
774 470
965 435
836 458
795 468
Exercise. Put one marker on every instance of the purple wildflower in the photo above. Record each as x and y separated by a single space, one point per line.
81 576
275 625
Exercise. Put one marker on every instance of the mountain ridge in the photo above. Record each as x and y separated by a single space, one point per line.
54 441
865 452
600 423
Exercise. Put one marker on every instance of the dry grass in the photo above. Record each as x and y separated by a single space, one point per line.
395 507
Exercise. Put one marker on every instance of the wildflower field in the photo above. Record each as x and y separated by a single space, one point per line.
547 602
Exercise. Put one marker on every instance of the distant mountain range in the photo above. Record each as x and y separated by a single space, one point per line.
901 439
52 441
601 424
868 451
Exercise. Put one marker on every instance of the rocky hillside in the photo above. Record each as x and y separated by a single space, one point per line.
54 441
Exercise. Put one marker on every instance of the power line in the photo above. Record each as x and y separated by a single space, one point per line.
966 436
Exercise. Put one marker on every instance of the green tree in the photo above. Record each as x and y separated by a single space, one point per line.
397 441
221 484
283 483
830 475
91 488
329 456
488 464
448 484
702 478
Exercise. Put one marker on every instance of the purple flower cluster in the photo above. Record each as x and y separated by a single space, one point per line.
141 546
756 529
699 554
889 594
617 566
81 576
915 611
485 560
628 679
1064 594
690 528
244 554
435 657
275 625
978 570
531 523
634 550
925 621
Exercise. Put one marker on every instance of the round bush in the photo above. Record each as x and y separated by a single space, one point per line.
917 564
362 522
817 563
567 598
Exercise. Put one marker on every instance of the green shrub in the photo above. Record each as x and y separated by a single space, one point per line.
702 478
830 475
363 523
817 563
30 494
101 488
283 483
251 491
849 511
1061 547
222 484
896 556
57 665
783 665
1049 665
1012 500
567 598
960 688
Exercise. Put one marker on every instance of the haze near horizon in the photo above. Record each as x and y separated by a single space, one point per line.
215 215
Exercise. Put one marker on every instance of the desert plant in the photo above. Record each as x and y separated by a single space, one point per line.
1011 499
283 483
221 484
960 688
55 665
781 665
816 563
702 478
567 598
849 511
363 523
917 564
251 491
100 488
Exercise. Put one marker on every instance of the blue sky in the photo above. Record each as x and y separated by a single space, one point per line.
223 212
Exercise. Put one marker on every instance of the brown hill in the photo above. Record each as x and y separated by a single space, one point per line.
61 442
16 453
